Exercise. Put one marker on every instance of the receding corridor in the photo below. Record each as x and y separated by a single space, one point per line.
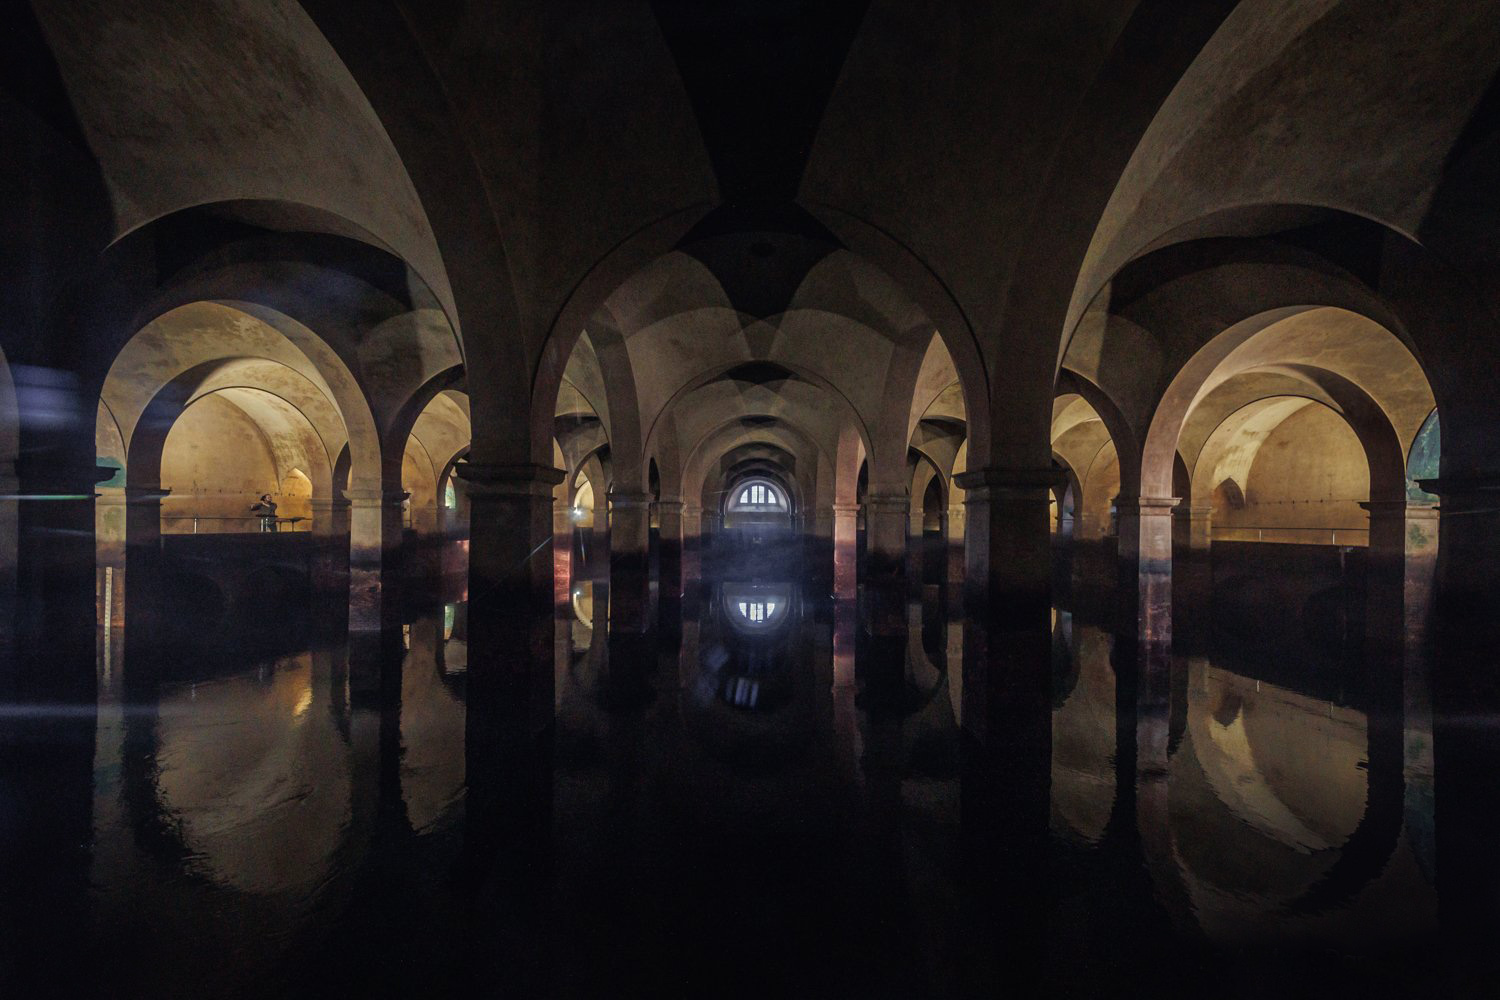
765 498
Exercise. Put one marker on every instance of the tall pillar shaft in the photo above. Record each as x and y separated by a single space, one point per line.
670 521
692 541
375 526
330 530
953 538
1008 589
845 549
1005 699
145 607
1145 558
510 594
629 561
562 555
1192 574
1466 701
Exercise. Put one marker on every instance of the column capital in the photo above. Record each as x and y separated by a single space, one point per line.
1191 512
1003 480
887 501
624 501
671 506
35 477
1463 492
146 494
375 498
844 508
327 503
1147 506
1388 508
500 480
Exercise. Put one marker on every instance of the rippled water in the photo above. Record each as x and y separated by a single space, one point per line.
762 799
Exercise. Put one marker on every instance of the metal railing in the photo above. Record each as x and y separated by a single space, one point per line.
255 522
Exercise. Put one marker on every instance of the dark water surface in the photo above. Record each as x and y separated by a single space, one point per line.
762 799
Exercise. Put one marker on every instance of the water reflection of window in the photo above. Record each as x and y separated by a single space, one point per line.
757 611
450 614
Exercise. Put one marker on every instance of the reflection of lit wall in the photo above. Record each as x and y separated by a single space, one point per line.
1083 743
258 777
1268 785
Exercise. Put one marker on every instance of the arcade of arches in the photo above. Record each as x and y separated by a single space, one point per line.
501 466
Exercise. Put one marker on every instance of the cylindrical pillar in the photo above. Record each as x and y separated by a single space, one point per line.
629 561
375 525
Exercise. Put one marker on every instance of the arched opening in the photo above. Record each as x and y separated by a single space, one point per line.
757 504
1285 442
222 427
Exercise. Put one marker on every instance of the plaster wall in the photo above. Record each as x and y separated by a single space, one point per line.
1305 485
216 462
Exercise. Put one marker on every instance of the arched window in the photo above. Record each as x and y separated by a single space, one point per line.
759 495
757 612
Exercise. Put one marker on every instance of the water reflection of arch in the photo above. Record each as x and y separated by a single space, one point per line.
784 719
260 806
1272 812
433 721
1084 793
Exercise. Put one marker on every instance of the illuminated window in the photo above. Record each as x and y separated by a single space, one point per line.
757 611
450 496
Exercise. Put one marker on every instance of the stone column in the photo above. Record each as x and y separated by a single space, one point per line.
330 531
375 526
886 519
845 550
954 539
562 556
1466 701
1192 570
144 600
1145 565
510 593
670 521
1008 588
1385 577
629 566
1006 705
692 542
109 505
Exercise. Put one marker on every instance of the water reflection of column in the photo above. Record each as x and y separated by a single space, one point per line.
511 676
1466 703
845 718
1149 679
1006 719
